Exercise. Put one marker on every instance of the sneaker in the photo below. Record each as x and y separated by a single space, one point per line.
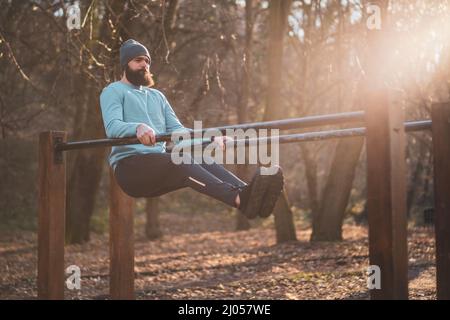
273 191
252 195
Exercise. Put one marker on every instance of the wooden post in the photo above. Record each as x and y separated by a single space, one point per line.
440 114
121 243
386 194
51 225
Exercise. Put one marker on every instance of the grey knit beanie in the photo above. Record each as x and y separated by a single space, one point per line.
131 49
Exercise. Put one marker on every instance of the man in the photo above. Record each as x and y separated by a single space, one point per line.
131 108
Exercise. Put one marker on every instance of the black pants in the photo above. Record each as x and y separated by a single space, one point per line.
154 174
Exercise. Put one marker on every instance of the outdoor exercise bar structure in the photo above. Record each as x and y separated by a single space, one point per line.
386 198
289 138
285 124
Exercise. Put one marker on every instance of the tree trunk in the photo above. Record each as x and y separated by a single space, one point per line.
170 16
152 226
311 179
85 176
87 167
284 224
307 150
242 222
328 223
278 14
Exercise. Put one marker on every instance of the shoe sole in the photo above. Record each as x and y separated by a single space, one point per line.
259 187
272 193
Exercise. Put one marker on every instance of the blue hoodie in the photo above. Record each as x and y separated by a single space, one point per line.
125 106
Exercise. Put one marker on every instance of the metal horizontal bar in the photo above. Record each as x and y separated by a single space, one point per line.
419 125
410 126
299 137
285 124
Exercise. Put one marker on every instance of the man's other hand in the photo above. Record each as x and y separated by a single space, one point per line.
222 141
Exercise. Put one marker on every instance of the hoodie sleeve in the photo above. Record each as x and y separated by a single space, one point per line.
112 112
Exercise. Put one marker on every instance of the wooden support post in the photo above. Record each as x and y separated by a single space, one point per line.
440 114
386 194
121 243
51 225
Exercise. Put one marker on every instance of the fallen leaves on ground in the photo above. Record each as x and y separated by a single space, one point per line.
201 257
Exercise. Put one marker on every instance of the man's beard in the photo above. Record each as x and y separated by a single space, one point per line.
141 77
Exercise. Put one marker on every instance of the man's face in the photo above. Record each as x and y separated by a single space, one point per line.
138 72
